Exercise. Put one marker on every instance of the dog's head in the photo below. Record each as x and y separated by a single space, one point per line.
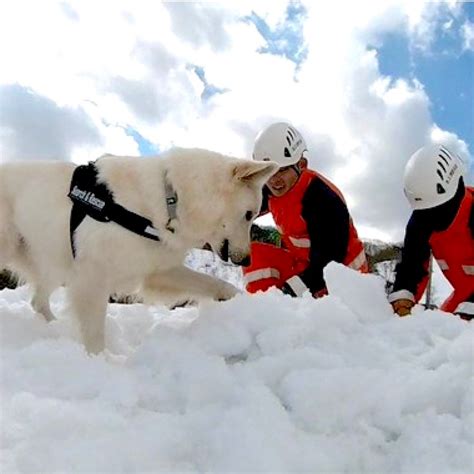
218 199
241 200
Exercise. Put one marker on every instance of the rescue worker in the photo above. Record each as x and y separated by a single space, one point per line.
442 222
311 215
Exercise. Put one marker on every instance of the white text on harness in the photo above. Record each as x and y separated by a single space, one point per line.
87 197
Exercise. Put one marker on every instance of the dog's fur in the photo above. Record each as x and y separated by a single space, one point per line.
215 193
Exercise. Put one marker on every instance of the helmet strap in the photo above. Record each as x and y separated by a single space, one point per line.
297 170
300 165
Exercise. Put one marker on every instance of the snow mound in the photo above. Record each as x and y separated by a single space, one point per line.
262 383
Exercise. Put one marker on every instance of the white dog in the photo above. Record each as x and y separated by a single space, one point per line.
188 197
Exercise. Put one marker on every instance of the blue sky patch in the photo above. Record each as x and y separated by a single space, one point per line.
445 70
287 38
145 146
209 89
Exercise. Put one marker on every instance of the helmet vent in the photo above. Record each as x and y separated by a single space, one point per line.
288 141
287 153
443 158
442 166
444 154
438 172
291 133
440 189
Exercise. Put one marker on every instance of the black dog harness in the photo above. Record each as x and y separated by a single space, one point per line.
93 198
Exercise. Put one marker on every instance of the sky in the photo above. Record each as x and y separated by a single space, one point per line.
366 84
261 383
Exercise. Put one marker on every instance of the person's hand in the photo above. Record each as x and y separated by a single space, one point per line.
402 307
320 293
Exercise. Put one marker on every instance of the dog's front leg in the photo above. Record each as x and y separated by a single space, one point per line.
88 297
182 282
40 301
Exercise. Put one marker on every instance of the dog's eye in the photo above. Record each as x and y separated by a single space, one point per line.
248 216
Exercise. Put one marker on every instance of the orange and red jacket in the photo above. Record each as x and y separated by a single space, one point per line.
452 247
316 228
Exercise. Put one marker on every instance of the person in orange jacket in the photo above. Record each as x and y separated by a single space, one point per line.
442 222
310 214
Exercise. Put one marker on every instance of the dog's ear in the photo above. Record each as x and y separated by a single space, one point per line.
254 172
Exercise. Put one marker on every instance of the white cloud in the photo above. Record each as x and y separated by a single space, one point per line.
427 19
129 64
468 35
34 127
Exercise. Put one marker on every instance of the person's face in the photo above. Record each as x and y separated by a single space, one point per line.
283 180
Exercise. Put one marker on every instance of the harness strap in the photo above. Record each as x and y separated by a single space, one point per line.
94 199
133 222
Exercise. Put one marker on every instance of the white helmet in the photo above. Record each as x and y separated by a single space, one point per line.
432 176
280 142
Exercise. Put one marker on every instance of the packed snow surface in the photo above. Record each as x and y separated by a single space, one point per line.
261 383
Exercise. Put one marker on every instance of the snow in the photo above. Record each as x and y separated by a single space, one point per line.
261 383
208 262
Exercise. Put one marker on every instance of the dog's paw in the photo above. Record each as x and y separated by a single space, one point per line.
226 291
